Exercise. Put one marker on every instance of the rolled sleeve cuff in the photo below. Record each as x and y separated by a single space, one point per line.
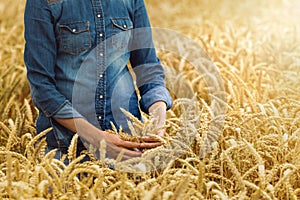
67 111
156 94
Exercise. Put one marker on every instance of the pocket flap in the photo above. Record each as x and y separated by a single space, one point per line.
75 28
122 23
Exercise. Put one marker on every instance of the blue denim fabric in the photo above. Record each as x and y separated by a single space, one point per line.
76 55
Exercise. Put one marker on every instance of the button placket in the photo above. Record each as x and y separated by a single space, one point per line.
100 54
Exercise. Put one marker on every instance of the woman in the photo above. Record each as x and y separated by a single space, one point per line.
76 55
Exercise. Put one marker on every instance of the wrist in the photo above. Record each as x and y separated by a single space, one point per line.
161 105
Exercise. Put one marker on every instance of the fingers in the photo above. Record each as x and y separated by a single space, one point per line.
114 151
115 145
161 133
144 145
149 139
127 146
150 145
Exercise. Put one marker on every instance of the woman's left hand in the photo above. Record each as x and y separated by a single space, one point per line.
158 110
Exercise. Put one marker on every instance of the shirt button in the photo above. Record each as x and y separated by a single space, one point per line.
101 96
101 76
99 15
101 34
74 30
124 26
99 117
101 54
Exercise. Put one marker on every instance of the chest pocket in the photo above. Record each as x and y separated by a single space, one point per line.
121 32
75 37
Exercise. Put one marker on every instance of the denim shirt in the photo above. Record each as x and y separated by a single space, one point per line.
77 54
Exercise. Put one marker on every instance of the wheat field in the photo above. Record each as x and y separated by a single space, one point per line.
255 46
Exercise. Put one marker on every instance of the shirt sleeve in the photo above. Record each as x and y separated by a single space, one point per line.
149 72
40 58
67 111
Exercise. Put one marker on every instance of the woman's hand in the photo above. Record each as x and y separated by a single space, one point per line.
158 110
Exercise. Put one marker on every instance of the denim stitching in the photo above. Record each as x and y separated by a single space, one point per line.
116 30
81 49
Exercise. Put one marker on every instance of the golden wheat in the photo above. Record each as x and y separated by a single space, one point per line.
254 44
